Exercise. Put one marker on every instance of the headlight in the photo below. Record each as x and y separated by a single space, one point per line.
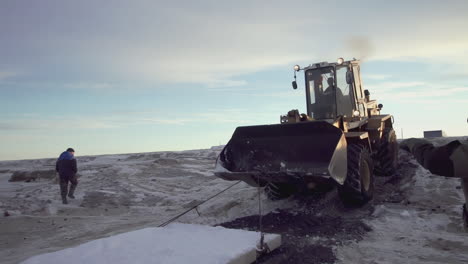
297 67
340 61
356 113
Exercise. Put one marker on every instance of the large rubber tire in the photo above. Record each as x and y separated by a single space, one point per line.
387 154
358 187
279 191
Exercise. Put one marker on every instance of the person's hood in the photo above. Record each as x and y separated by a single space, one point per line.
66 156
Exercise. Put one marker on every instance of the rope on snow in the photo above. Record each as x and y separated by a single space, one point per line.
195 207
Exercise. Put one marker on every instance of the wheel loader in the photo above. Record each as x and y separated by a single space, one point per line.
342 139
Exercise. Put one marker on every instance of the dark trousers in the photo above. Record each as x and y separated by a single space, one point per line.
64 185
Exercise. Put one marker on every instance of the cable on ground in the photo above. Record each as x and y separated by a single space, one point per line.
195 207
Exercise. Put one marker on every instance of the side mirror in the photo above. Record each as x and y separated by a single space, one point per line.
294 85
349 77
380 106
366 95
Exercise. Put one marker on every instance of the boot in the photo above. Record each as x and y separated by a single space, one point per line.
71 191
64 200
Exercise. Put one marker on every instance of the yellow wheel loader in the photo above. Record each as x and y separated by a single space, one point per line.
343 138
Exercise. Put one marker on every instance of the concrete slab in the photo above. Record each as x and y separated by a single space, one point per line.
175 243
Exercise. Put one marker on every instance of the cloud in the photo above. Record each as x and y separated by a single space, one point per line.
84 85
175 121
231 89
299 94
24 123
226 83
377 76
212 116
442 101
385 86
214 42
433 93
7 74
421 92
32 122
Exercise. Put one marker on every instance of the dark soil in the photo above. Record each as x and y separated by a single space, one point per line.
301 224
28 176
320 222
298 231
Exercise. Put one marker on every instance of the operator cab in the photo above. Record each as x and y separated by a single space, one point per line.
330 99
332 89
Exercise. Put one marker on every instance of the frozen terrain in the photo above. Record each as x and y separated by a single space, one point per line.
424 227
116 194
172 244
414 218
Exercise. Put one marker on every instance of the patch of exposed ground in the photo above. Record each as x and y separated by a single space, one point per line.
311 231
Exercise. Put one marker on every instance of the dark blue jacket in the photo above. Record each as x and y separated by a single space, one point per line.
66 165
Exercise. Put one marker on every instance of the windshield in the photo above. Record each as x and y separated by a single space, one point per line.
320 83
327 97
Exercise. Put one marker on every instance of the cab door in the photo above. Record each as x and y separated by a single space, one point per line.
358 90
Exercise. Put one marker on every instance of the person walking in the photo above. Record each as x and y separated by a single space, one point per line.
67 169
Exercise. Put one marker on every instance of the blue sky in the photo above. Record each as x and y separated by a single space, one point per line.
139 76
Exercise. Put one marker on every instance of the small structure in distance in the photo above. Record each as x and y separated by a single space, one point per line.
434 133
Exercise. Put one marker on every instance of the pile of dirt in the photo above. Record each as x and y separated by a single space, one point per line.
298 230
287 253
29 176
301 224
320 222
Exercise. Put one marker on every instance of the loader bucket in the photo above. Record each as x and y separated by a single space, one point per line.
283 153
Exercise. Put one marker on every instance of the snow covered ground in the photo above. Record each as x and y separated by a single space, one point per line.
122 193
172 244
115 194
426 227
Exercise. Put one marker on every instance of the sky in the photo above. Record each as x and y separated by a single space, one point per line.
108 77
